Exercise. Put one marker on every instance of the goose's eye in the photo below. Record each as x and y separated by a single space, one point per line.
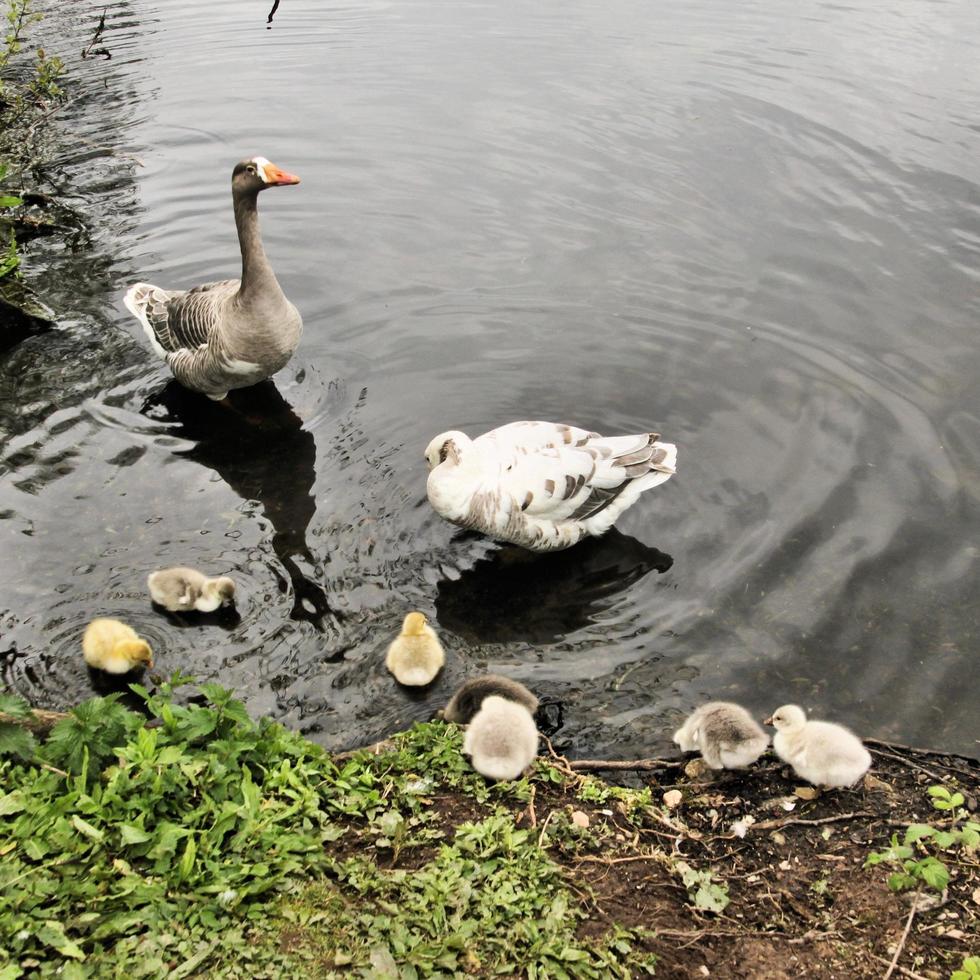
250 170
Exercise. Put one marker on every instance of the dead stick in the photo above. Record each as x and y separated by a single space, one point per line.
770 824
38 721
901 942
590 765
908 762
900 969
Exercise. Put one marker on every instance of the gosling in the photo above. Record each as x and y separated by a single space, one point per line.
727 735
501 740
820 752
114 647
416 655
182 589
469 697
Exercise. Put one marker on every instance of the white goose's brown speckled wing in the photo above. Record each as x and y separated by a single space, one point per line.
558 472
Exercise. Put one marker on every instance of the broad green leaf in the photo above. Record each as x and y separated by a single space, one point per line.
917 831
84 827
52 933
133 835
12 803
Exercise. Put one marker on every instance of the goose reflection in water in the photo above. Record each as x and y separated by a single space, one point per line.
517 595
258 446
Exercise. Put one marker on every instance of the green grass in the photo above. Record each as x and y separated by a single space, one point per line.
209 844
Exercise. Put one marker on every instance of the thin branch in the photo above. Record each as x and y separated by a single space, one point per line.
790 821
908 762
638 765
901 942
900 969
39 721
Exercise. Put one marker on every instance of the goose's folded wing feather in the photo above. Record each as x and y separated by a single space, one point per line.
186 320
574 479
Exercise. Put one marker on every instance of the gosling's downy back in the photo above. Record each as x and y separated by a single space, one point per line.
725 733
502 740
416 655
469 697
821 752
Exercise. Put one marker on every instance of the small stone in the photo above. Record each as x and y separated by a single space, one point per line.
673 798
976 896
778 838
580 819
695 768
704 971
875 784
784 866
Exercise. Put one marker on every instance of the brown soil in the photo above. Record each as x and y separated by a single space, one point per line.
802 903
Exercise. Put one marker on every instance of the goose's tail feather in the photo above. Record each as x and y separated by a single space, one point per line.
138 300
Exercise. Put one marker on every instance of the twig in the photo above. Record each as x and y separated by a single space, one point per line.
633 857
901 942
544 827
88 51
60 772
532 816
38 721
909 763
376 748
900 969
771 824
638 765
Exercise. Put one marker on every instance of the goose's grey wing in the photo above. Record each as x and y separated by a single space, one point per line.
176 320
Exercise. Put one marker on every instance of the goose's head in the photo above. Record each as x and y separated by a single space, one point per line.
789 716
446 448
414 624
256 174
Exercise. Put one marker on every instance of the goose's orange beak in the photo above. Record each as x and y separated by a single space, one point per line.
274 175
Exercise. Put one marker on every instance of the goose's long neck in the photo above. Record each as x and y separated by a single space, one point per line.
258 279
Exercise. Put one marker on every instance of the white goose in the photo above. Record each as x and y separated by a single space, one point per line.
233 333
543 485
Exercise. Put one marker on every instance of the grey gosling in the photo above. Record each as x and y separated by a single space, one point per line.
182 589
468 699
727 736
501 740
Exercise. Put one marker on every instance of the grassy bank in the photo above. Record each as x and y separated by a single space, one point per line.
201 843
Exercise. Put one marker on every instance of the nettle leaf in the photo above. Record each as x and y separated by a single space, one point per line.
900 882
16 741
12 803
10 201
934 873
13 704
52 933
917 831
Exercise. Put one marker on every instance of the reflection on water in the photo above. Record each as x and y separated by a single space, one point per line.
754 231
258 445
519 596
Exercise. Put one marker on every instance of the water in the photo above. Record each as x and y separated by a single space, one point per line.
755 229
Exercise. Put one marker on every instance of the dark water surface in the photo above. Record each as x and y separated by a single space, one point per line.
755 227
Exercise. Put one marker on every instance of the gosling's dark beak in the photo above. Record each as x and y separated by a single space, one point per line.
768 721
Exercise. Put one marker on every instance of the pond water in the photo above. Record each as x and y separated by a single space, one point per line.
752 227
